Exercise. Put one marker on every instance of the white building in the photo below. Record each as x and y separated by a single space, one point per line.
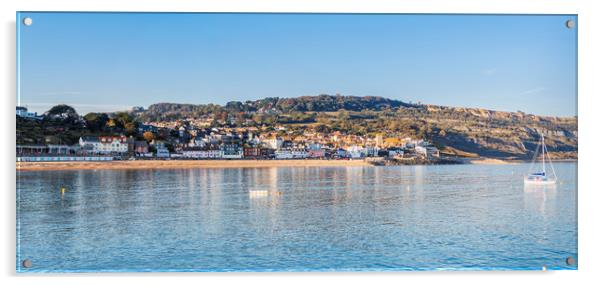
355 151
190 153
232 156
198 142
214 154
274 143
371 151
295 153
427 151
23 113
202 154
104 144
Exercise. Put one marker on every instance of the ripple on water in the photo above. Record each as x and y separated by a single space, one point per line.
333 218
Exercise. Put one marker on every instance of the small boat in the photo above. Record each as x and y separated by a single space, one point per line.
258 193
541 177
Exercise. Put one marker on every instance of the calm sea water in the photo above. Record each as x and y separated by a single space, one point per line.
282 219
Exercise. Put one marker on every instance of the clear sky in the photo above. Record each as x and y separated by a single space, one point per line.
113 61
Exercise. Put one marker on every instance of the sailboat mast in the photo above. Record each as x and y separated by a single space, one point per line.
543 154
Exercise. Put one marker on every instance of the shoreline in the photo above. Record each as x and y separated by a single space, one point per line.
180 164
238 163
485 160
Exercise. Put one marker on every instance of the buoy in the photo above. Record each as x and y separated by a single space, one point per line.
63 190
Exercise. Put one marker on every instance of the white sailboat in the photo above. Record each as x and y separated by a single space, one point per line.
541 177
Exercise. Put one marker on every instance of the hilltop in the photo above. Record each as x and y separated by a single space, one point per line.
274 105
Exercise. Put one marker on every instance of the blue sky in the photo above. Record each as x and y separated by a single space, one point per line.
113 61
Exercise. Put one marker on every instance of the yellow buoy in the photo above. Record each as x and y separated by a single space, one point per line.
63 190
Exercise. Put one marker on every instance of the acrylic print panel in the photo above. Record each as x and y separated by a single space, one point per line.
295 142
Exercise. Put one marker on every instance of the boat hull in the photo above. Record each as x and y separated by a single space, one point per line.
540 182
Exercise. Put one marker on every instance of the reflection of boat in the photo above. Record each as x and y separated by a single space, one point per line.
537 188
541 177
540 198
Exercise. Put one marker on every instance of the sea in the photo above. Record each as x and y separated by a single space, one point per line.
383 218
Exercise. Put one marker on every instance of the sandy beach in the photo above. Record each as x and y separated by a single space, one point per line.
178 164
488 161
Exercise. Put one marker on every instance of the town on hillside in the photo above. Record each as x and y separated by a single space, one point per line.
196 139
306 127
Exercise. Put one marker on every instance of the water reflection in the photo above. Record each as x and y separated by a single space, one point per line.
540 198
327 218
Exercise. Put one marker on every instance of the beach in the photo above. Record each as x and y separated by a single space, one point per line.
238 163
487 161
176 164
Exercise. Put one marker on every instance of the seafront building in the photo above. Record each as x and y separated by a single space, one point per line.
426 150
104 144
291 153
189 142
274 143
51 149
231 151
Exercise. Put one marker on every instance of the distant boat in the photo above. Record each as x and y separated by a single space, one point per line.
258 193
541 177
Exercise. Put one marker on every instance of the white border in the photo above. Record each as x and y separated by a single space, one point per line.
589 136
